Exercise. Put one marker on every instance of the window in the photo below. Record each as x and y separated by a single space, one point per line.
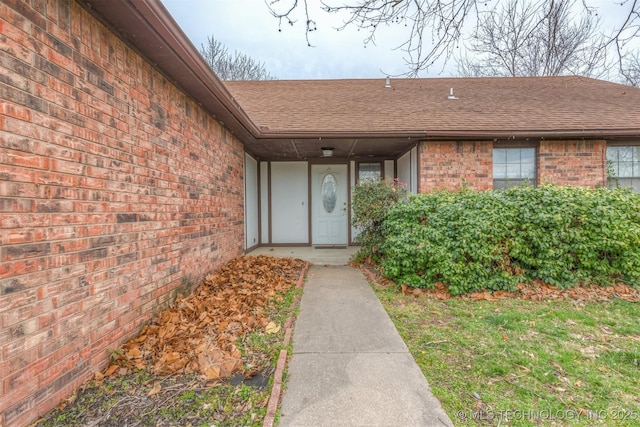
623 167
329 192
369 172
513 167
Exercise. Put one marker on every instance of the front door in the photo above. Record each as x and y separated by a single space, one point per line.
329 210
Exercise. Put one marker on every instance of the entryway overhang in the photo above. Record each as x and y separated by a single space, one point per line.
309 148
361 146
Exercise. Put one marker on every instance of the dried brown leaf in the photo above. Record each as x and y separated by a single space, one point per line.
111 370
198 333
272 328
157 387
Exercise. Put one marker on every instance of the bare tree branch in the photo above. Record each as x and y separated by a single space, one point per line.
434 28
630 69
285 15
232 67
535 39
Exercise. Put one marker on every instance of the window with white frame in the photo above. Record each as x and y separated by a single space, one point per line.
513 167
623 167
369 171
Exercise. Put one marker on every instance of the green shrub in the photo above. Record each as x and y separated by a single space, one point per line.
371 202
493 240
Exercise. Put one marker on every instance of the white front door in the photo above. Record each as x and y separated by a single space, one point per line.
330 219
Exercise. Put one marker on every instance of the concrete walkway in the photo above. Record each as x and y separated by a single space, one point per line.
349 365
316 256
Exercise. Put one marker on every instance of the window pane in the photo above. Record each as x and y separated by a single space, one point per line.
499 155
499 171
625 154
369 171
499 184
513 155
622 182
527 155
513 171
625 169
529 170
329 192
369 167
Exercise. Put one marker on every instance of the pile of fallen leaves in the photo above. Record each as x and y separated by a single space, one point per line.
534 291
199 333
540 291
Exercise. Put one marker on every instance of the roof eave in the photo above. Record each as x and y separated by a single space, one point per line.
449 134
541 134
339 134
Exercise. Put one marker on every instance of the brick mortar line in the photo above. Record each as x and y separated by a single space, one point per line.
276 387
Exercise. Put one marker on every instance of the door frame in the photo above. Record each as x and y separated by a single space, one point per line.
329 162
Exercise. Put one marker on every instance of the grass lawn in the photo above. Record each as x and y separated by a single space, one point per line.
516 362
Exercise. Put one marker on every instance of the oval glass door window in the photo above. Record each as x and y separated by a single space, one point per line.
329 192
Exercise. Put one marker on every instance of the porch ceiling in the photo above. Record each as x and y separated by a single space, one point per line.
311 148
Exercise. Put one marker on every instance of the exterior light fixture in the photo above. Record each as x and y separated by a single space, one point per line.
327 151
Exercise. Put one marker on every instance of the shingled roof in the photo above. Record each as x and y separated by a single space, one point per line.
285 119
483 106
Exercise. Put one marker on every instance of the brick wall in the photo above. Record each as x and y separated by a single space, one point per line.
116 192
453 164
563 162
580 163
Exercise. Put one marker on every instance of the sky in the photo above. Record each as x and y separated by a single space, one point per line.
248 27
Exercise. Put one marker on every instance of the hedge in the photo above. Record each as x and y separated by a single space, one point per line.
494 240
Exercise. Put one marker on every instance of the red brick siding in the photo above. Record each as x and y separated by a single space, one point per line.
115 190
451 165
580 163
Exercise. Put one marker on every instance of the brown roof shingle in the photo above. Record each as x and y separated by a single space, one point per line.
484 106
